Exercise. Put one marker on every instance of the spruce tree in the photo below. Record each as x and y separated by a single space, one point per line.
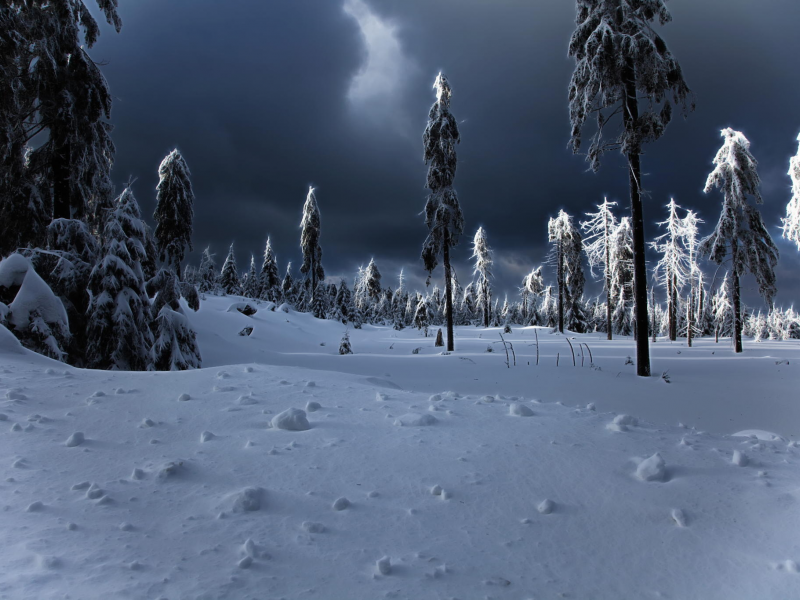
175 346
566 253
229 276
599 229
483 272
250 286
118 331
421 316
269 279
622 66
443 214
319 301
791 224
532 287
372 282
672 271
621 280
174 210
287 286
309 241
740 231
207 272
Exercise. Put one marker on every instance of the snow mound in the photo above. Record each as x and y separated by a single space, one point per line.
13 270
415 420
248 500
739 459
546 506
652 469
9 343
384 565
292 419
759 434
76 439
679 517
622 423
313 527
519 410
313 406
341 504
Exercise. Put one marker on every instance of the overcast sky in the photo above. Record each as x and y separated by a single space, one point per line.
266 97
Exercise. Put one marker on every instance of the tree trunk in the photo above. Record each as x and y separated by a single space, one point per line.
448 291
608 280
737 317
487 302
673 308
689 320
630 116
653 308
560 276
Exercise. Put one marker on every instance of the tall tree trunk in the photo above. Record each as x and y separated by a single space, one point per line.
689 321
487 302
608 280
737 316
653 308
560 276
448 291
673 308
630 116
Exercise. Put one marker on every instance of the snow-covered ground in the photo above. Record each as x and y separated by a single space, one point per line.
421 475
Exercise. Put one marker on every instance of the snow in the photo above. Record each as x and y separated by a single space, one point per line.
479 505
291 419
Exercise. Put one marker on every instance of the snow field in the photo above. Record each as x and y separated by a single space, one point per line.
479 504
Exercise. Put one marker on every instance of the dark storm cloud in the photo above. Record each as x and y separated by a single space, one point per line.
260 98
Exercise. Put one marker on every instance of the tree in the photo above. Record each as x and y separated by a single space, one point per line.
371 281
442 211
672 271
269 279
309 240
791 224
620 60
532 285
175 346
621 279
599 228
421 318
567 247
207 272
740 231
118 331
229 276
483 265
251 287
689 234
174 210
287 286
319 301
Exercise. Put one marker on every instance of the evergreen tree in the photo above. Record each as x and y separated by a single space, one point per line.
174 210
118 332
567 247
791 224
251 287
229 276
175 347
421 319
442 211
599 228
672 271
343 304
319 301
621 280
207 272
722 310
483 265
689 234
309 241
620 61
740 232
532 287
372 282
269 279
344 346
287 286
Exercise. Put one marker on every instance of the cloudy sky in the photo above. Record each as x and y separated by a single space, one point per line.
265 98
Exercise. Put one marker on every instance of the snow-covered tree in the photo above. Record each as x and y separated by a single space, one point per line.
309 241
443 214
567 247
175 345
118 330
623 67
269 279
287 286
319 301
597 243
689 232
672 271
532 288
344 346
207 273
483 272
421 317
343 304
722 310
791 224
622 278
371 281
740 232
250 286
174 210
229 276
